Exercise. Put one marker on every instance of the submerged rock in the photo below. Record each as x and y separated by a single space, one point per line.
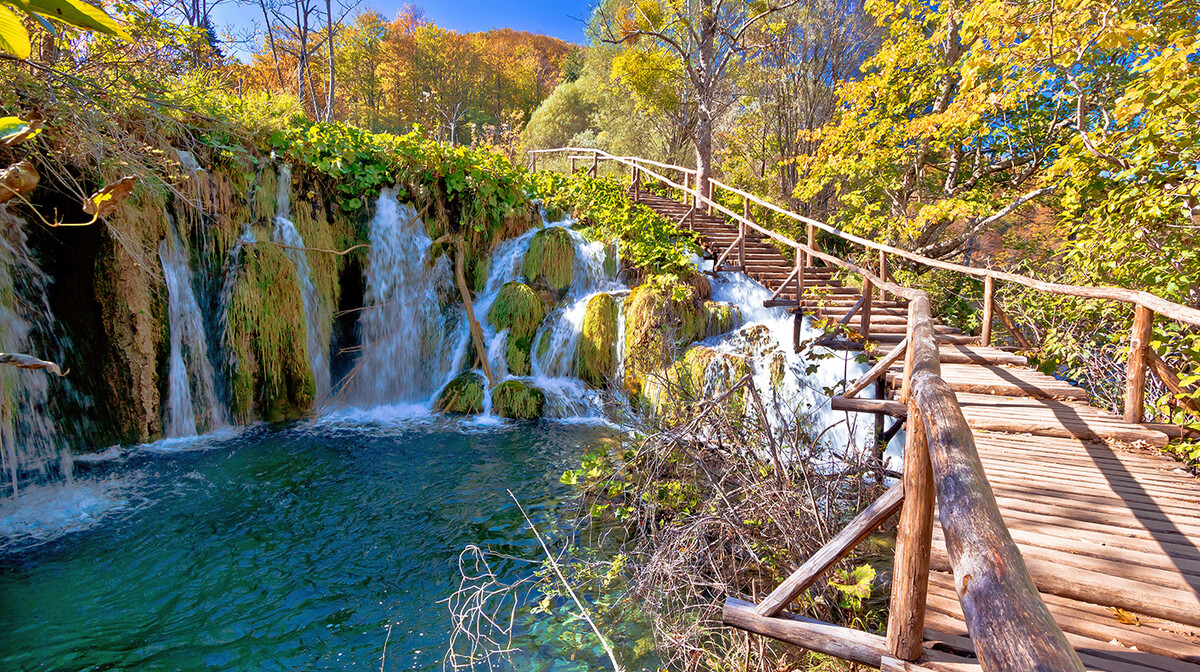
520 310
517 400
550 259
596 354
463 394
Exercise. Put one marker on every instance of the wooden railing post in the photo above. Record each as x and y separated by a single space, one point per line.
989 293
595 164
883 274
811 242
635 178
742 232
914 537
1135 368
799 283
572 165
868 290
533 162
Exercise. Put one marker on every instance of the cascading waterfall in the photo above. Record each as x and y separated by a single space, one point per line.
30 450
407 342
285 233
192 399
798 397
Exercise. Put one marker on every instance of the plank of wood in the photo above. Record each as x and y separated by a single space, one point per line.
832 552
1182 606
1099 623
989 380
964 354
946 626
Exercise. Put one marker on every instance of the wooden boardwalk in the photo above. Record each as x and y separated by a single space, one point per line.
1109 529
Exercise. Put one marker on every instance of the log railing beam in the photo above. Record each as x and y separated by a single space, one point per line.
866 522
1135 367
989 293
878 370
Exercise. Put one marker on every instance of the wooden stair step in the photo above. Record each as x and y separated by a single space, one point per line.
998 380
964 354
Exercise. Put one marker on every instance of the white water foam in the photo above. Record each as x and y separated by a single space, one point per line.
406 355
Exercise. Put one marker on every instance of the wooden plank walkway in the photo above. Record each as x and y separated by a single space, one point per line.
1109 529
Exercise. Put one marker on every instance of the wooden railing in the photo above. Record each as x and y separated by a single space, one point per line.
1009 624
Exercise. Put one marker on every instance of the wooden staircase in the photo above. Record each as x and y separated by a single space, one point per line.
1110 531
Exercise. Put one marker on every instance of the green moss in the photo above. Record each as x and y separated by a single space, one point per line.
722 318
596 353
701 373
271 376
551 259
520 310
517 355
517 308
662 315
778 371
514 399
463 394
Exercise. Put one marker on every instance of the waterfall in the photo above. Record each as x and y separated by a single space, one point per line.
800 397
191 385
407 344
30 449
285 233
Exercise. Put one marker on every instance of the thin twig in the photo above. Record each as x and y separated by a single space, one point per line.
570 591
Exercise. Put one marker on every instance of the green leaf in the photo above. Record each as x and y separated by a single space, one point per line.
14 39
14 130
75 13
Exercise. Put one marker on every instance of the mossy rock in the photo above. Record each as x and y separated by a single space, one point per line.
701 373
722 318
520 310
517 308
550 259
463 395
662 316
596 353
517 400
612 260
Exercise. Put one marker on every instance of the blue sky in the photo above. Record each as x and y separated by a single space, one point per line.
561 18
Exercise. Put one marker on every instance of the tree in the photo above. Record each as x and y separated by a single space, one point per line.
789 88
969 114
680 54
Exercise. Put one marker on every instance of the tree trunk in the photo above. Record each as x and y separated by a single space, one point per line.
332 69
460 252
703 142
